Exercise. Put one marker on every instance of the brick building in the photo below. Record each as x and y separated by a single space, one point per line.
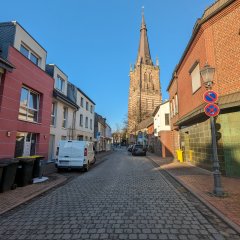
144 91
25 94
215 40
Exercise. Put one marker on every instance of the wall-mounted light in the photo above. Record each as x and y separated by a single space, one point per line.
45 137
8 134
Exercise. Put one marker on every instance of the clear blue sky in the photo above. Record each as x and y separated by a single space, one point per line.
95 41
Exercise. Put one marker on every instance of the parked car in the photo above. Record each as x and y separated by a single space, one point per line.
130 148
139 149
75 154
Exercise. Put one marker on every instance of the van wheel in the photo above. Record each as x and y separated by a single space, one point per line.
86 169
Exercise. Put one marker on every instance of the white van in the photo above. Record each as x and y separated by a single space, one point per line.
75 154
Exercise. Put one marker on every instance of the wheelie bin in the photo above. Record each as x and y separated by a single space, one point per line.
24 172
9 169
38 165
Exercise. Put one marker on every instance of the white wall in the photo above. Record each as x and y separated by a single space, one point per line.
159 118
22 36
82 130
58 131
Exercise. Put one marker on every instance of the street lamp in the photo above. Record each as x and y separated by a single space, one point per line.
207 74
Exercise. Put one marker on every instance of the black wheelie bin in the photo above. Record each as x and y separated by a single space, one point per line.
9 169
24 171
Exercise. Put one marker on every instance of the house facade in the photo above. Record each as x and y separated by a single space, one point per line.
85 117
25 94
215 40
162 130
63 112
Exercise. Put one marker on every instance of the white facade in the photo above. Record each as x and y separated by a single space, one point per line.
22 38
84 117
161 118
63 116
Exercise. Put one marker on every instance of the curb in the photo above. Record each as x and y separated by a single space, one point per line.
201 199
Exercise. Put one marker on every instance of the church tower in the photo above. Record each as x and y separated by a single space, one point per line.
144 91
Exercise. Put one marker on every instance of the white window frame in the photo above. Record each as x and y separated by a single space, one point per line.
81 120
81 101
91 124
65 117
176 103
91 108
30 52
27 107
53 114
86 122
58 80
195 76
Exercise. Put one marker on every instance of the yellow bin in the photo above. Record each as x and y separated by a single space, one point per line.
180 155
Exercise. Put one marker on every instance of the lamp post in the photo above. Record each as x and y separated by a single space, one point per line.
207 74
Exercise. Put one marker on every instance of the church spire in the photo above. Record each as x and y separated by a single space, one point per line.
144 55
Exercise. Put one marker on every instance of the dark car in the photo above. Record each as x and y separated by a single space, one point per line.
139 150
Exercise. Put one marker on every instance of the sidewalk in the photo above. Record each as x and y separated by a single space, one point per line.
200 182
13 198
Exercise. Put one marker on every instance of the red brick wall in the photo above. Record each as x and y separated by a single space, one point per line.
150 129
217 43
167 144
26 73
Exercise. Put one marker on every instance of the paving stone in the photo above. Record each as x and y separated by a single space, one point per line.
121 198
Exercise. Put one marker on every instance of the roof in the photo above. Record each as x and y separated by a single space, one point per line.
6 65
157 108
145 123
210 12
64 98
84 94
14 23
144 55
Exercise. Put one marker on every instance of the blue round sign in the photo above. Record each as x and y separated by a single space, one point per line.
210 96
211 110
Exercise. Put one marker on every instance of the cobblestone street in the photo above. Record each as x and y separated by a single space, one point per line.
124 197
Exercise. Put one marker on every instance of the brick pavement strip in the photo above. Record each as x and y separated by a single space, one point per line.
195 179
123 198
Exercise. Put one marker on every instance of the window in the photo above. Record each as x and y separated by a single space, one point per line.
87 106
60 84
33 58
91 108
81 102
29 105
86 122
173 105
24 51
29 54
195 75
166 119
91 124
171 109
81 120
65 115
53 114
176 103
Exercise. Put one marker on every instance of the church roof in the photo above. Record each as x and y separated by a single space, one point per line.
144 55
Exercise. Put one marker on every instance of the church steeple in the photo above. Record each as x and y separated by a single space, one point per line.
144 55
